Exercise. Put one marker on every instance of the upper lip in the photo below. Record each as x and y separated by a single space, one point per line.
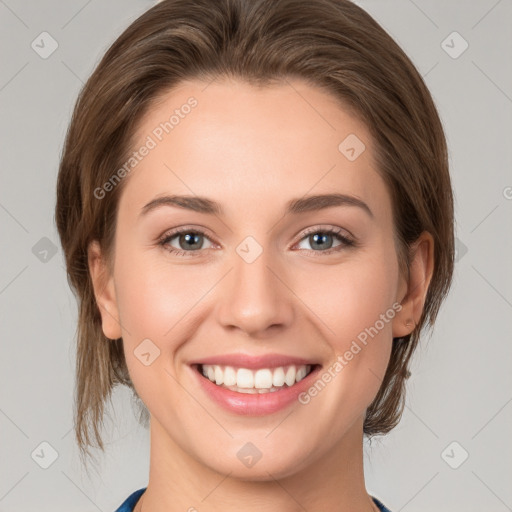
249 361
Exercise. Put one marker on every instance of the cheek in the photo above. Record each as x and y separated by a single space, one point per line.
354 301
154 295
355 305
154 302
351 296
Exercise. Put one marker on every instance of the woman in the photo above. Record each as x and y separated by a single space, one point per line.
214 150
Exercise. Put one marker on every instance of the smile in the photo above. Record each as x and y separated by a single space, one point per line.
264 380
251 385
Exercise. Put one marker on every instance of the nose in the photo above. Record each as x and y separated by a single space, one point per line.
255 296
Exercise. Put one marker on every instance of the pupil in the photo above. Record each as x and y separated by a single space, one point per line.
191 240
316 237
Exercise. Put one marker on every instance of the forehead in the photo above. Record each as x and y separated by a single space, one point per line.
253 148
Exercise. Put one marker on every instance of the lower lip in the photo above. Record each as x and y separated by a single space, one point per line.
257 404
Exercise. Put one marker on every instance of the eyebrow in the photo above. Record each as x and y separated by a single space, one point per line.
295 206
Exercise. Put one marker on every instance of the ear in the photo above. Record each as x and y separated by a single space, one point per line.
415 290
104 291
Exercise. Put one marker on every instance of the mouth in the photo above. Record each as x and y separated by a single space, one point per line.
254 386
255 381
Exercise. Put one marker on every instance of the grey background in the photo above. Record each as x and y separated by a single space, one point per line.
460 390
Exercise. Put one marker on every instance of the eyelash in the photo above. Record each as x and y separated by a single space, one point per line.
346 242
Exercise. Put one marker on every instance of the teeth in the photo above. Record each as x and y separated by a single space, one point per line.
263 380
244 378
229 376
278 377
301 373
290 376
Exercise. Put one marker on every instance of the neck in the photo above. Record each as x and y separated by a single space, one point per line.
331 481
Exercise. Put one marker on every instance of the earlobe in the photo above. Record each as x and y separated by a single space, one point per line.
421 271
104 291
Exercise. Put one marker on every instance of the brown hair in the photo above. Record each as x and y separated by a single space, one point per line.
332 44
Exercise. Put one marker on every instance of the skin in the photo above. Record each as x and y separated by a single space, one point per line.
253 149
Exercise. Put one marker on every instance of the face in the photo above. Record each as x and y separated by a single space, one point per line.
287 302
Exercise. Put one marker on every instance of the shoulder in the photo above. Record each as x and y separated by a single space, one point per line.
129 503
381 505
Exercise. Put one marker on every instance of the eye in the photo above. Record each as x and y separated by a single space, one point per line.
189 241
322 240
